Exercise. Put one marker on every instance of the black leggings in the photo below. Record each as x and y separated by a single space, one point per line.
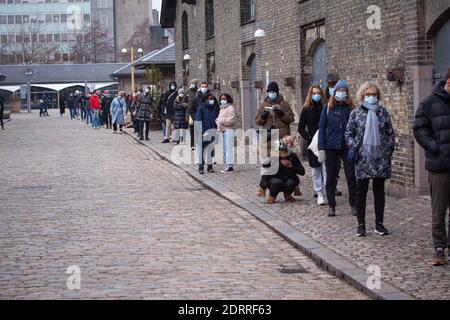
332 165
115 127
141 129
379 199
107 119
276 185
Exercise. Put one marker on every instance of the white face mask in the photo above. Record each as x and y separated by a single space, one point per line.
181 95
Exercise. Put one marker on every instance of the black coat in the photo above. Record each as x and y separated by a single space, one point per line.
179 119
308 127
432 129
168 103
285 173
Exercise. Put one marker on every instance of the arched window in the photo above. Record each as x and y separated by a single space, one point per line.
185 31
247 11
209 18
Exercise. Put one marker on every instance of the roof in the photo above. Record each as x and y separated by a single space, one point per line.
165 56
58 73
126 70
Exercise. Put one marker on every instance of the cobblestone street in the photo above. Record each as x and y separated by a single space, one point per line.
404 257
141 228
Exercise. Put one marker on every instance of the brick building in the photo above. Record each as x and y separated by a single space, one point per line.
404 45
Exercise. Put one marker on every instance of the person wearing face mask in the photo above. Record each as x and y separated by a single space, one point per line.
145 114
307 128
118 111
331 84
206 116
225 127
432 132
194 103
106 109
95 109
370 138
168 111
180 123
275 113
332 145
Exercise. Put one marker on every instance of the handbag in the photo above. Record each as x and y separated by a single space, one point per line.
314 146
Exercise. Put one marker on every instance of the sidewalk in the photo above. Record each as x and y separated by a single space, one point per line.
404 257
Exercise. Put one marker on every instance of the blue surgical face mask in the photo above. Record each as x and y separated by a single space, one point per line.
341 96
223 102
317 98
371 99
211 102
331 91
272 95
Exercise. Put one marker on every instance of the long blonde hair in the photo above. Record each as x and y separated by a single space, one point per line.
309 102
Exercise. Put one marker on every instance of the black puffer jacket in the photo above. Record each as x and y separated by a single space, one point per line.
432 129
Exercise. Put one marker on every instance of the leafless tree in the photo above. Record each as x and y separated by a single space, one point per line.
141 37
32 45
93 44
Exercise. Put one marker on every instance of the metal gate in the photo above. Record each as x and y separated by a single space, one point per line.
319 73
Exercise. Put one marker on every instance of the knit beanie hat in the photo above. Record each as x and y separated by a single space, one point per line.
342 84
273 87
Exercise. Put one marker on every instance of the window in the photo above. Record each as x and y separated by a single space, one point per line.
209 18
247 11
185 31
211 67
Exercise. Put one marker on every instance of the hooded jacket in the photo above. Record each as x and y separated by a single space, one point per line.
283 123
432 129
168 102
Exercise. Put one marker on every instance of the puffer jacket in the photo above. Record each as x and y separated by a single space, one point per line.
207 115
432 129
179 119
333 123
283 124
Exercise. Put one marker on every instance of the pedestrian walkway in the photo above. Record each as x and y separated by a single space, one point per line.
136 226
404 257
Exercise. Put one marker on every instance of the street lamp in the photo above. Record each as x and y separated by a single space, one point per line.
140 51
187 57
260 33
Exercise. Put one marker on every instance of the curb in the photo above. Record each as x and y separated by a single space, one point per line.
324 257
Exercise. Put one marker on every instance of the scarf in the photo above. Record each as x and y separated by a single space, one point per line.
372 141
225 106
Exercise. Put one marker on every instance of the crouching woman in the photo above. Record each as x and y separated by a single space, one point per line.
285 180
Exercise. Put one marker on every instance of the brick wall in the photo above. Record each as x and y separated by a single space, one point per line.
354 52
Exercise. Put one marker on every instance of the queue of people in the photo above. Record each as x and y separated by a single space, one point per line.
356 134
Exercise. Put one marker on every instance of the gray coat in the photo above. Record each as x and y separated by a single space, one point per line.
354 135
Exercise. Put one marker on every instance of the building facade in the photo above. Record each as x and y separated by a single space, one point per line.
403 45
46 31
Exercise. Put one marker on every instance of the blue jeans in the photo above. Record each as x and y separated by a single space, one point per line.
83 114
228 147
95 118
88 116
163 125
72 113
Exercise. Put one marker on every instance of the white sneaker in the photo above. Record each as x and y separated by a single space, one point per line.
320 199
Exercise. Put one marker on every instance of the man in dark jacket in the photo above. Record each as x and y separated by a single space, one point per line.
432 132
168 110
106 109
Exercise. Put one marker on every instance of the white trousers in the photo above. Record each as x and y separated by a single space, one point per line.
319 176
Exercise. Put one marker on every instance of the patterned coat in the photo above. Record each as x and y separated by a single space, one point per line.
354 135
118 110
145 110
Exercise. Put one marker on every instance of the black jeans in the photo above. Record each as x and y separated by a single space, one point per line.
115 127
1 117
107 119
440 199
191 129
333 158
141 129
207 157
379 199
276 185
